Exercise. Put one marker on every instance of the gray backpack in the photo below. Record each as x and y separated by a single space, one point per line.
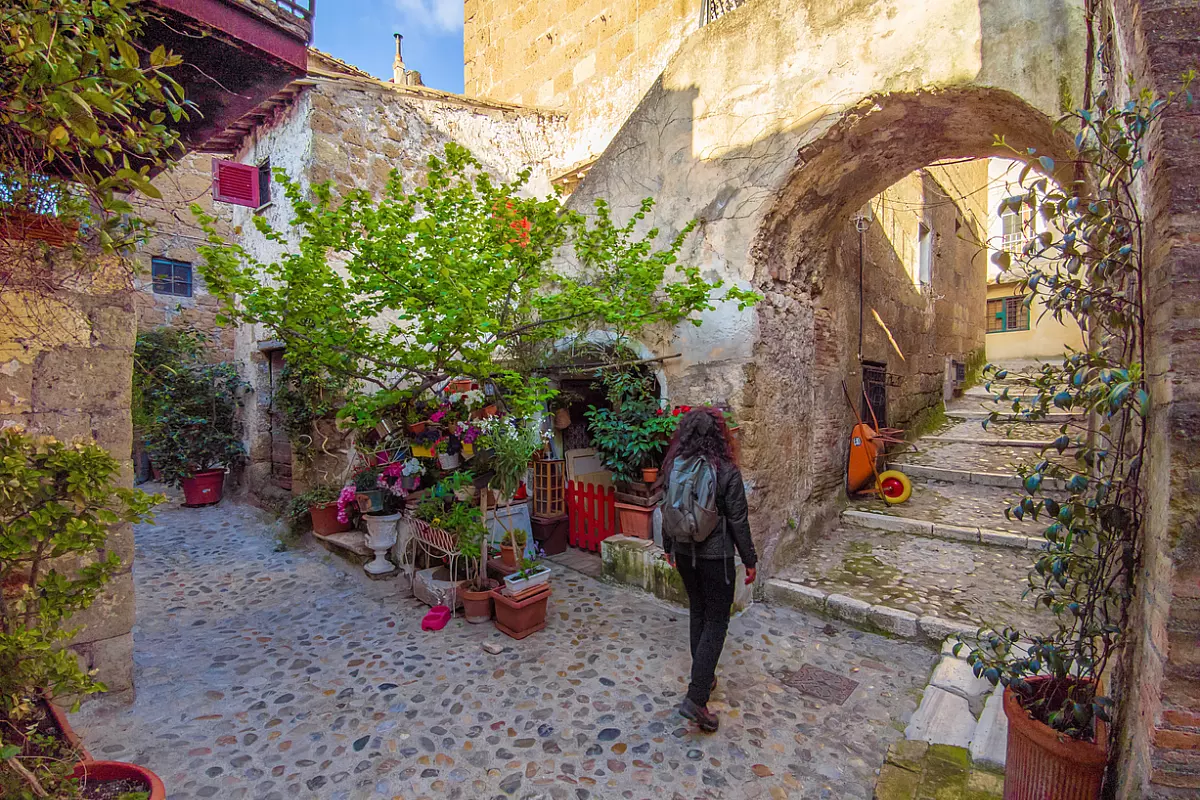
689 505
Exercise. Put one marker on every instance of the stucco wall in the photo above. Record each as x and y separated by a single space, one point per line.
772 125
1046 337
593 59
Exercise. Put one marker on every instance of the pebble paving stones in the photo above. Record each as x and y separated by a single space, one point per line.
272 675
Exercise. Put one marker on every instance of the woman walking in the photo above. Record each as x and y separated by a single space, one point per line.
704 521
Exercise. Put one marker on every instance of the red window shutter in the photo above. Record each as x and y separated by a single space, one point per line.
235 183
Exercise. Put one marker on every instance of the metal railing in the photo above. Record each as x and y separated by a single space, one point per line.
714 9
299 8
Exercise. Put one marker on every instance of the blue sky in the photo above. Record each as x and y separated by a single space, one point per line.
360 32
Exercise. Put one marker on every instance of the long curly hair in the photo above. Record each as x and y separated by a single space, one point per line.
701 432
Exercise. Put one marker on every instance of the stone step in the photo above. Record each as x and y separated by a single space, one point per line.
910 585
1004 480
960 710
936 530
972 430
977 508
1051 418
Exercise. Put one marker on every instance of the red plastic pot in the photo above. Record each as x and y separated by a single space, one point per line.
519 617
103 771
204 488
1044 764
325 520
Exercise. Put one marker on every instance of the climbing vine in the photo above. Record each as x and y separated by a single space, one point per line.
1085 261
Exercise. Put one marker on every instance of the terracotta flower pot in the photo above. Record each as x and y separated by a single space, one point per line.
204 488
562 418
325 521
508 556
650 474
518 617
417 427
105 771
462 385
477 606
636 521
1043 763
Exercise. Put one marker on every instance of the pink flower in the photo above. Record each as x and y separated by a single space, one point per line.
437 416
345 499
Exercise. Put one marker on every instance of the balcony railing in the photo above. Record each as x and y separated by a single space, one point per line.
714 9
300 8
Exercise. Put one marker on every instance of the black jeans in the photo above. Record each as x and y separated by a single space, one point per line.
709 584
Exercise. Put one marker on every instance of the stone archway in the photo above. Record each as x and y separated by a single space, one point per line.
803 350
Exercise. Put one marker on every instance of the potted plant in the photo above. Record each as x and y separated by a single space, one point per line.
532 573
424 442
477 594
1088 264
510 548
632 434
382 511
320 504
133 782
57 507
195 435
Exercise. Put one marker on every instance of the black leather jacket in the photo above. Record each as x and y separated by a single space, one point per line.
734 530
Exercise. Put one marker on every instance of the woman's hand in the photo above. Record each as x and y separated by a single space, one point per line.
751 574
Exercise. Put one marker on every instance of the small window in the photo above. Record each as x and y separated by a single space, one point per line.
1016 228
1007 314
171 277
264 182
924 255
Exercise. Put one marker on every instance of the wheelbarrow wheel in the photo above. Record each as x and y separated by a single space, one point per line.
895 486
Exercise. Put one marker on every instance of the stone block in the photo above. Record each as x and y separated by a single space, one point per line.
796 595
638 562
16 387
956 676
990 743
113 326
84 378
959 533
894 620
1002 538
885 522
939 628
112 659
942 718
111 615
848 608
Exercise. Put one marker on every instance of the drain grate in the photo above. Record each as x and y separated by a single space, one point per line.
819 683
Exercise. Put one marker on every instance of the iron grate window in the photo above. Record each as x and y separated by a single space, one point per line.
715 9
171 277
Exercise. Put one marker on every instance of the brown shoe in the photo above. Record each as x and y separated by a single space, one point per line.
704 719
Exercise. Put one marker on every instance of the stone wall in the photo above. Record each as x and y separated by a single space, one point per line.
1158 749
65 369
774 172
593 59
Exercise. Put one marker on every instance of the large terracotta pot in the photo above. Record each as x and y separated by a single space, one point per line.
120 770
1043 764
204 488
519 617
325 520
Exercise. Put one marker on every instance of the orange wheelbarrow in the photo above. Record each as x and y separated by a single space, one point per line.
867 445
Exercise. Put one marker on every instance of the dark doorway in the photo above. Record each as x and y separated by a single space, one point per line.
281 445
874 393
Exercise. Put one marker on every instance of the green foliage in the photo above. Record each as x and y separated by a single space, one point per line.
306 396
459 276
85 116
57 501
634 432
195 427
157 357
512 444
1085 262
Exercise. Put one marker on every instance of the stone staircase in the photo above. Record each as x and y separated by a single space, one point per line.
947 562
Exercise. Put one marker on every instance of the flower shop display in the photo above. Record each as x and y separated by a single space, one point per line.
59 503
195 435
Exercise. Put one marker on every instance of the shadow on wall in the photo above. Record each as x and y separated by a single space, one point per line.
774 173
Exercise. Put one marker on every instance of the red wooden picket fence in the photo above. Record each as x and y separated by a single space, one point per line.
592 514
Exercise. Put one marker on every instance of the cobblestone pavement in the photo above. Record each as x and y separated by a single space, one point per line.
1026 431
978 458
267 675
965 582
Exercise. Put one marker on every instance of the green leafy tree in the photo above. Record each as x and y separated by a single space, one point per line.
57 504
85 118
458 276
1086 262
196 426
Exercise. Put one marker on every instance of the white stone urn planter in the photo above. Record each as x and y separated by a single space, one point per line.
381 536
